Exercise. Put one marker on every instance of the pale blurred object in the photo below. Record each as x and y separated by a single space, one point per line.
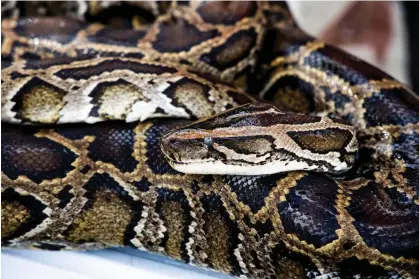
101 264
372 31
363 23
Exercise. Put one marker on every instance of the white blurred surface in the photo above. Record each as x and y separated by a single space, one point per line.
104 264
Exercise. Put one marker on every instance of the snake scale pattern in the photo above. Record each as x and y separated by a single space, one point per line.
90 186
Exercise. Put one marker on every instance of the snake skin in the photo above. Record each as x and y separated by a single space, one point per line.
79 186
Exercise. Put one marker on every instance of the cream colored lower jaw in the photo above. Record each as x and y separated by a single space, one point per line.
217 167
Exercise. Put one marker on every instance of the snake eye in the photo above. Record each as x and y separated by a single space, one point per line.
208 141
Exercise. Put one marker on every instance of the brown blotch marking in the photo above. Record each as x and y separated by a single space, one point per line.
51 159
53 61
38 27
216 232
13 215
178 35
110 65
322 141
192 96
35 155
228 12
41 104
105 222
246 145
293 100
255 114
235 50
117 36
173 215
117 100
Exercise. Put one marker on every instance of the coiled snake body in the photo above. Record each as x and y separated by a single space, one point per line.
107 184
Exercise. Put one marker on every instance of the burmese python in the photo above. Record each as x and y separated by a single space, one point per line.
108 184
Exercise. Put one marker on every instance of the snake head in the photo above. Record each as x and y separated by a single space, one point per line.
257 139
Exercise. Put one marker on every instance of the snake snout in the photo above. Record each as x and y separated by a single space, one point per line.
181 147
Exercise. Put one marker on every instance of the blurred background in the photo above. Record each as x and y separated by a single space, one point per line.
383 33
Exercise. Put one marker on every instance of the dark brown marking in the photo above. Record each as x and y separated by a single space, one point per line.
44 64
112 65
259 145
114 36
322 141
226 12
254 114
237 47
179 35
36 158
53 28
